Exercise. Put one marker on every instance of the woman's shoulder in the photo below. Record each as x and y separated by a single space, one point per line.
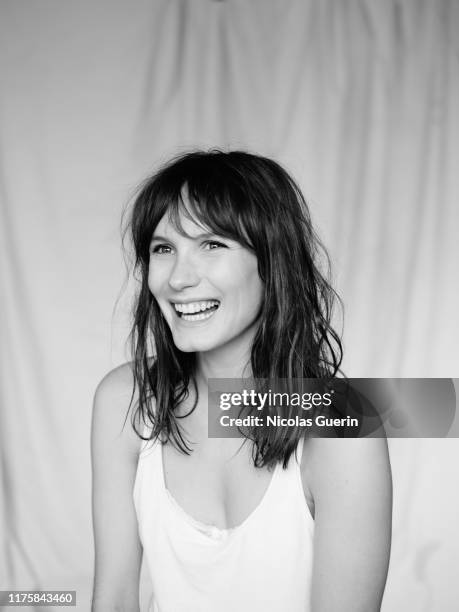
119 381
114 400
331 466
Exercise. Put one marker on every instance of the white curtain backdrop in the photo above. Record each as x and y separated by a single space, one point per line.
357 98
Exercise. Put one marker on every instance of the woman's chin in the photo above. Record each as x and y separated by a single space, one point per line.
193 346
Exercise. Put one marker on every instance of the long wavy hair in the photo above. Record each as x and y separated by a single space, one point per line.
250 199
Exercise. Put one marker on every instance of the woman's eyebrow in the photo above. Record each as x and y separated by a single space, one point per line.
162 238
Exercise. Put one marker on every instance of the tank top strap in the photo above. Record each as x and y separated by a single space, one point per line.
291 478
146 430
147 444
292 473
299 450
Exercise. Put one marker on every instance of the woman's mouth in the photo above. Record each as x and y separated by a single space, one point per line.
196 311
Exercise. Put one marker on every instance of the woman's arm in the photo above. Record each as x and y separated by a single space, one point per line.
114 462
350 481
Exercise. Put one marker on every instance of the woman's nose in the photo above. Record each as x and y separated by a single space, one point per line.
183 274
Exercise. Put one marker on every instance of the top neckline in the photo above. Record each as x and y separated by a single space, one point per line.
206 528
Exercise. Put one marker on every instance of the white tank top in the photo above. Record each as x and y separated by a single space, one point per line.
262 565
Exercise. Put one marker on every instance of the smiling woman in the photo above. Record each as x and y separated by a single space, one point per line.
230 287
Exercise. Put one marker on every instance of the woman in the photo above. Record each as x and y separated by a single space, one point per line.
230 288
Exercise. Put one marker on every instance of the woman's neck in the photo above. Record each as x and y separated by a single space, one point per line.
208 366
229 361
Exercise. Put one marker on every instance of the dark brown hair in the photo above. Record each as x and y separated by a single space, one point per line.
253 200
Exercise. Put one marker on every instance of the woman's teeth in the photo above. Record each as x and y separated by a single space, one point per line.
196 311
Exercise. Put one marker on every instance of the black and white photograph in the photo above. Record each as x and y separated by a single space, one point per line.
229 246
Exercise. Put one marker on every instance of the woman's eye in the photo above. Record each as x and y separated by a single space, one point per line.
210 245
161 249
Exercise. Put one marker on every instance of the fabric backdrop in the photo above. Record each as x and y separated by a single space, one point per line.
357 98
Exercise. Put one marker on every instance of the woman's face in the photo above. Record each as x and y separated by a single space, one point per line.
207 286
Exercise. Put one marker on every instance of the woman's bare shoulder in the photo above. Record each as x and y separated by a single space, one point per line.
114 401
119 382
331 465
